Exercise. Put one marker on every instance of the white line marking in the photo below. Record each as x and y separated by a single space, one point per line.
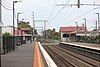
82 46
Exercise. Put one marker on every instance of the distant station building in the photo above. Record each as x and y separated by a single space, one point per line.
68 34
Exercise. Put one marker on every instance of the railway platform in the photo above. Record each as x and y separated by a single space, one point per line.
53 55
21 57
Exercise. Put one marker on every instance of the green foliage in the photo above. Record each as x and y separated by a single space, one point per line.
6 34
89 39
52 34
25 25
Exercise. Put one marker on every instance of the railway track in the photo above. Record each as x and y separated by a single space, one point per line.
62 55
91 53
59 60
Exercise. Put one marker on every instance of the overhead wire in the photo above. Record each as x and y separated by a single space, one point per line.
65 15
6 4
68 15
52 9
60 22
5 7
79 16
59 11
85 13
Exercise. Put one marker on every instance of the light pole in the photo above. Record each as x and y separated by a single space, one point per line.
85 28
98 29
45 28
76 24
14 24
33 34
76 28
18 22
18 18
0 17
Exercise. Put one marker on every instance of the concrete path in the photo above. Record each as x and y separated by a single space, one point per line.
21 57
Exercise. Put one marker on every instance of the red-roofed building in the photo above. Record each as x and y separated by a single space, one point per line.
18 32
69 33
21 33
72 29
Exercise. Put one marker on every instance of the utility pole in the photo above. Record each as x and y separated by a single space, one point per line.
0 22
33 34
76 28
14 23
18 22
0 31
76 24
78 5
45 28
85 28
98 29
1 25
17 26
98 23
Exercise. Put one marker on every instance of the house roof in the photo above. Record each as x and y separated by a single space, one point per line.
72 29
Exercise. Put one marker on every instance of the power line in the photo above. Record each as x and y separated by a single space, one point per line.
66 18
83 14
66 14
59 11
70 12
5 7
6 4
86 13
52 9
63 17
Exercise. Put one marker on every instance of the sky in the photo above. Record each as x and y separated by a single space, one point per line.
56 16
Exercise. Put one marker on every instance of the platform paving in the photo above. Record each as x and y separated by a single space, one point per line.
21 57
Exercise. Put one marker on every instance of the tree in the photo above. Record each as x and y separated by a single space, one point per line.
23 24
51 34
6 37
6 34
